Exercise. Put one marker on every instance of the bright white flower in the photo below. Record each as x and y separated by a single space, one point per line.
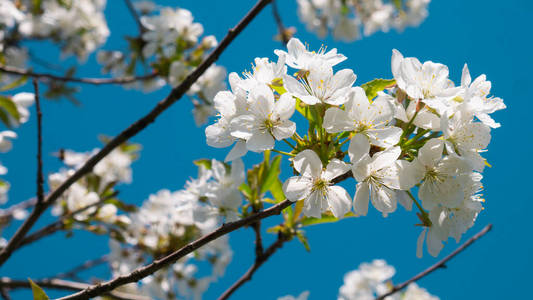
264 72
475 99
361 116
79 197
4 186
428 81
266 120
229 105
315 185
439 174
116 166
5 142
320 85
414 292
9 14
210 83
224 191
378 176
466 138
299 57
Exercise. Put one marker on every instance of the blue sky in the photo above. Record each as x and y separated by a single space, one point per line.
493 37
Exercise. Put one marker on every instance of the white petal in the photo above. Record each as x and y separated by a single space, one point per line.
385 158
420 243
337 120
260 141
339 201
359 146
385 137
297 188
404 200
238 150
262 101
334 169
308 163
284 130
383 199
360 201
284 107
431 152
313 205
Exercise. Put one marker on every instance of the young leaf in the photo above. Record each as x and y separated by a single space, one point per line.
20 81
9 107
203 162
38 293
272 175
303 239
326 218
377 85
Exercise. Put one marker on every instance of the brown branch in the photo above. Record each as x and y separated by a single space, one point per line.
135 16
40 179
439 264
60 284
4 292
85 266
95 81
57 225
156 265
132 130
259 261
283 33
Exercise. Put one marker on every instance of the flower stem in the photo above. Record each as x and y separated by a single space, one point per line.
283 152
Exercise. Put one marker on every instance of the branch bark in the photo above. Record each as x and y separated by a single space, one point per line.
281 28
60 284
85 266
94 81
40 179
156 265
259 261
439 264
132 130
135 16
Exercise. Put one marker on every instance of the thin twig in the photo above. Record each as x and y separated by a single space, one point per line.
95 81
85 266
260 260
281 28
439 264
131 131
258 239
156 265
40 178
4 292
8 212
57 225
135 16
60 284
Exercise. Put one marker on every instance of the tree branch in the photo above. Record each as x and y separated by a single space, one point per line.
135 16
132 130
259 261
40 180
60 284
85 266
95 81
284 36
156 265
439 264
4 292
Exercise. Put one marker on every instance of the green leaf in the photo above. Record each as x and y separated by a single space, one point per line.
14 84
277 85
9 107
271 175
326 218
303 239
306 111
377 85
203 162
38 293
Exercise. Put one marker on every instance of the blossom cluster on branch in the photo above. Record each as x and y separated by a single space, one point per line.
345 19
417 131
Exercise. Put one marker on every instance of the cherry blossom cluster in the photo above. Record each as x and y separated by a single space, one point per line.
370 281
169 220
345 19
417 131
172 43
79 27
93 198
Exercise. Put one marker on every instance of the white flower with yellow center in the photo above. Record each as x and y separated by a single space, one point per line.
315 185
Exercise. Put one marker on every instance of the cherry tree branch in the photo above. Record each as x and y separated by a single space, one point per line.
439 264
94 81
40 180
259 261
281 28
85 266
156 265
60 284
132 130
135 16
